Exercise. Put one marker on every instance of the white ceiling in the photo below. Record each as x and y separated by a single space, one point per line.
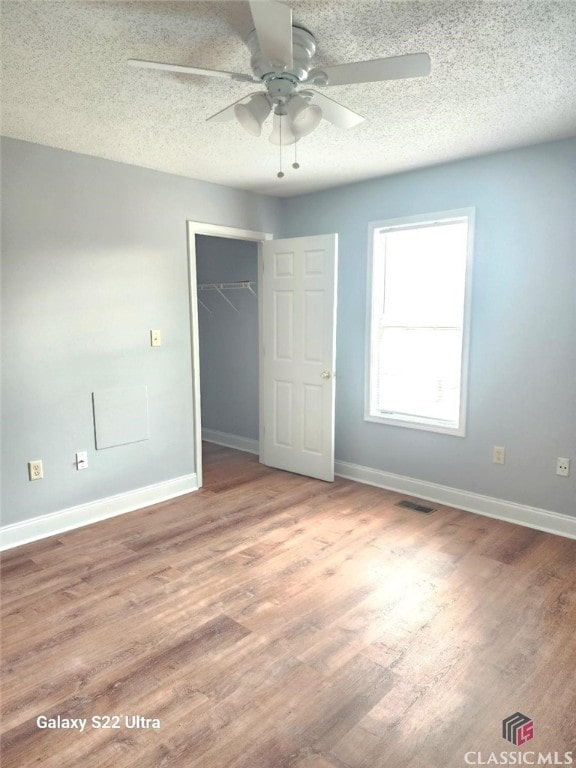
503 75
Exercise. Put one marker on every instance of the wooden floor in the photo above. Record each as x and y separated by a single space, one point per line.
274 621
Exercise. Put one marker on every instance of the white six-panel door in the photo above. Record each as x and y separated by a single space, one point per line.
298 322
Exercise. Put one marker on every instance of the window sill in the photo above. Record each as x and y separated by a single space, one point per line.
427 425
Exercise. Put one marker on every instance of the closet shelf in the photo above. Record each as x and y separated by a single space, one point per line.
221 287
226 286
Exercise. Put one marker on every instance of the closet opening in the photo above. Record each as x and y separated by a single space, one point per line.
228 340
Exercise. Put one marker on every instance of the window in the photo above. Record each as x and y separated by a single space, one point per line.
419 301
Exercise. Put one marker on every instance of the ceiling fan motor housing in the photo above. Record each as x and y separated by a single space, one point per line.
303 50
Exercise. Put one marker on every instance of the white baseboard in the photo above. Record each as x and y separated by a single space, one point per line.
520 514
74 517
231 441
511 512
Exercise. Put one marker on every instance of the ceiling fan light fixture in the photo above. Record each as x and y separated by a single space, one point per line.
304 117
281 61
282 132
252 115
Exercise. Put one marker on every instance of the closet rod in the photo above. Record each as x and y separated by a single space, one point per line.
221 287
227 286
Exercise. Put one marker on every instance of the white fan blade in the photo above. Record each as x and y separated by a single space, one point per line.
228 112
334 112
192 70
392 68
273 22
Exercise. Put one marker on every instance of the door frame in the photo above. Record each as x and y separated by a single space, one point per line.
194 228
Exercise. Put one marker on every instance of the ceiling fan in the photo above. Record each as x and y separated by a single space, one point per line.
281 61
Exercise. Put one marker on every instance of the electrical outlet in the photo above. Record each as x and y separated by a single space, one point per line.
498 454
35 470
562 467
155 339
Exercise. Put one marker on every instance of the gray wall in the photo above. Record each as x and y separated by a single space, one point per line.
228 339
522 382
94 256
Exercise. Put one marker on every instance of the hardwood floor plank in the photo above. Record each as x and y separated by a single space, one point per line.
276 621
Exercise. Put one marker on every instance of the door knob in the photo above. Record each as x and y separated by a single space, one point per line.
326 375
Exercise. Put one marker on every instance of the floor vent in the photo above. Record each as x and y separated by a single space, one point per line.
415 506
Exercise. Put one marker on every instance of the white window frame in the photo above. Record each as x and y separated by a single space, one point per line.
403 420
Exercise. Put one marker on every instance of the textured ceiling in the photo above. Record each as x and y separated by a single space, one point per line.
502 76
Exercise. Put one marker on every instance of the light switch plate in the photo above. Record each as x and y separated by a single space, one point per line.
155 339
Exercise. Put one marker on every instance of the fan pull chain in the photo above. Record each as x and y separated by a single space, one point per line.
295 164
280 172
